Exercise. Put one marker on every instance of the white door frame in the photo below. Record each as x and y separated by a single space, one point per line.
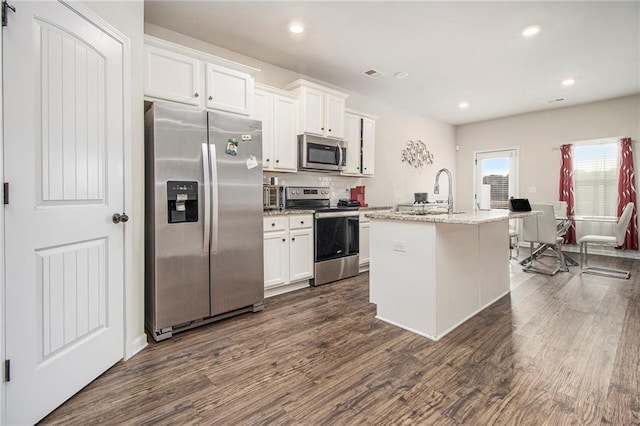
475 170
128 348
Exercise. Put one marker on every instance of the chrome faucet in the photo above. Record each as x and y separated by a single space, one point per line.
436 190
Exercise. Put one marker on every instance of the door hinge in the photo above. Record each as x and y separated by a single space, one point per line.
7 370
5 12
6 193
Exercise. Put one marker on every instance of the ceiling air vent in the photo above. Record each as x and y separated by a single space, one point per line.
556 100
373 73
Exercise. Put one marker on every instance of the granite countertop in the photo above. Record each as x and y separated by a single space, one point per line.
458 217
267 213
369 208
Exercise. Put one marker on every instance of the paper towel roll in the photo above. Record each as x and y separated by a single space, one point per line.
484 198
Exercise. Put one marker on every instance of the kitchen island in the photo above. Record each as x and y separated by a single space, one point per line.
429 272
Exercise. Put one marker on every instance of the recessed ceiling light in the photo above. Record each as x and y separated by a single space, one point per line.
296 28
463 105
401 74
531 30
568 82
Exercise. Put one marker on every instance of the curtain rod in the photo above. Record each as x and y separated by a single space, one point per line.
600 141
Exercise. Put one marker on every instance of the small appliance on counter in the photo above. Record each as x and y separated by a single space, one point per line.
357 194
272 197
420 197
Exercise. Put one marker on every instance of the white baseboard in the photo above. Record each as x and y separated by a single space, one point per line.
136 345
285 288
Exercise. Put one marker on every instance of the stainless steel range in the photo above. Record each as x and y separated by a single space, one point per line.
336 242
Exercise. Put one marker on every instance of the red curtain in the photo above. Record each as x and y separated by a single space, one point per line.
627 193
566 189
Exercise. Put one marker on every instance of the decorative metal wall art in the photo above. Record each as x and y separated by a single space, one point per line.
416 154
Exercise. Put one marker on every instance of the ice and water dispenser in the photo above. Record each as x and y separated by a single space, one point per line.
182 200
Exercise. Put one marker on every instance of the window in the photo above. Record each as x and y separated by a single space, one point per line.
595 176
498 169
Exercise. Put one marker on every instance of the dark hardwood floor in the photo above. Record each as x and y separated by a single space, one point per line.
557 350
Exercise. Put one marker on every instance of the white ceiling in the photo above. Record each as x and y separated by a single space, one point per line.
453 51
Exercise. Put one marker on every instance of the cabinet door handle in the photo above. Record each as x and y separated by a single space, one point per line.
329 129
196 94
321 128
267 160
210 98
273 224
277 161
302 222
284 239
293 239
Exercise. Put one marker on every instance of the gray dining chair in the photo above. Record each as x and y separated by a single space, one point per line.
607 240
541 229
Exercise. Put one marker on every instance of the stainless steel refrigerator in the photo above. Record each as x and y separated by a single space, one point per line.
203 228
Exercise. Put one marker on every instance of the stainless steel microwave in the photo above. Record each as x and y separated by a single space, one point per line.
317 153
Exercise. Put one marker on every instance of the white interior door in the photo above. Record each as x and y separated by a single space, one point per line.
500 170
63 114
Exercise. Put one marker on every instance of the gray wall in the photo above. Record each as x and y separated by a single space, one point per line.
536 135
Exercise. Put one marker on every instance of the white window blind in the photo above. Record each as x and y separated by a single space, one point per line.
595 176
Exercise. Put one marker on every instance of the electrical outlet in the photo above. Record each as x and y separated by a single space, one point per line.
398 246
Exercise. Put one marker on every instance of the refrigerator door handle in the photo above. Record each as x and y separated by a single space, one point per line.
214 199
207 197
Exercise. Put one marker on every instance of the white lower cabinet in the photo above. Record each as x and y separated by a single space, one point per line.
288 253
364 242
276 258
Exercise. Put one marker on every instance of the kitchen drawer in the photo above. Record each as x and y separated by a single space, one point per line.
302 221
277 223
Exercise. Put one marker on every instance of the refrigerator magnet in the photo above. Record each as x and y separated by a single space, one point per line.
251 162
246 137
232 146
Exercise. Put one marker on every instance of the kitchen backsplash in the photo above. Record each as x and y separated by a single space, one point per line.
339 185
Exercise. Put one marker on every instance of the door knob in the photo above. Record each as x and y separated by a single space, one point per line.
117 218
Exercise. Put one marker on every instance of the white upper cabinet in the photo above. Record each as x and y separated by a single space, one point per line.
180 74
229 90
312 112
334 116
277 110
320 109
353 143
171 76
360 136
368 145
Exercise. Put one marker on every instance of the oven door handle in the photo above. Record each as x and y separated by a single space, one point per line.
325 215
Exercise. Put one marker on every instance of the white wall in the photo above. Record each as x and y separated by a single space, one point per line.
128 18
394 181
537 134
